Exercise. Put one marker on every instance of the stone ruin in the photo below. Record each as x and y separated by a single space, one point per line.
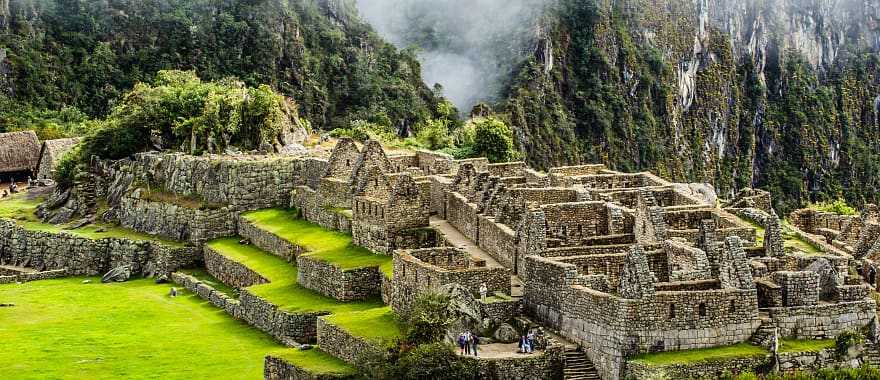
618 263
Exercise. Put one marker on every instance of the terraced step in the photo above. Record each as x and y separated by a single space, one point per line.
277 305
306 364
330 263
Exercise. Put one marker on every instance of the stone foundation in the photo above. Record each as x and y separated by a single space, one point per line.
175 222
339 343
81 256
276 368
343 285
548 365
230 272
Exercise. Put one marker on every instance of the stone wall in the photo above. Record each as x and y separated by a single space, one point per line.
463 216
87 257
275 368
32 276
343 285
498 240
230 272
289 328
419 271
206 292
268 241
762 364
822 321
547 365
241 182
339 343
174 221
798 288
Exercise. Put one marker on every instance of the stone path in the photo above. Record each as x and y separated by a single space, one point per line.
459 240
501 350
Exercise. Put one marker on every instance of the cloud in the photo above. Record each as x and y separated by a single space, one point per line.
470 47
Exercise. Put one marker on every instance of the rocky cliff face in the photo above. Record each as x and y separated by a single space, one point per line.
778 94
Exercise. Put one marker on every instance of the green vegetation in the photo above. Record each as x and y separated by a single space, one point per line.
839 207
282 289
184 111
67 329
861 373
203 276
21 208
792 345
316 362
323 244
81 56
379 325
703 354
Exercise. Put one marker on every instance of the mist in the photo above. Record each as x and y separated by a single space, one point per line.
469 47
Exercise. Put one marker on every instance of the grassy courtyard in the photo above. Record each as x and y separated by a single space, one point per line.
323 244
64 329
741 350
21 207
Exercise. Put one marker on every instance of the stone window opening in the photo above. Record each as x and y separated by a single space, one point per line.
347 163
672 311
732 306
702 309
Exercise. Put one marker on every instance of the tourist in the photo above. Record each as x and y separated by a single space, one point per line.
523 344
173 292
530 340
467 343
461 342
475 340
483 291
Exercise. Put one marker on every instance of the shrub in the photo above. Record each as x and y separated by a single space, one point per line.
434 361
362 130
429 319
493 139
838 206
846 340
434 134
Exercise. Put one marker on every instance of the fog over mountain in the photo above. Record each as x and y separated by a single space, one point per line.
469 47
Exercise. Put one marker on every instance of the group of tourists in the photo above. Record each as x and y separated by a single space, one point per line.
527 343
468 342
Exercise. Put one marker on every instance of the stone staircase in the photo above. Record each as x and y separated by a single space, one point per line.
763 334
578 366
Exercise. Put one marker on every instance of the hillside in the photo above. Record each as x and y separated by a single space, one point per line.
75 57
781 95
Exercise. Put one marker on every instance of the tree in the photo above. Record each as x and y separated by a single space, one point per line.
493 139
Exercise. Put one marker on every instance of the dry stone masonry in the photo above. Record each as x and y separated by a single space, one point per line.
617 264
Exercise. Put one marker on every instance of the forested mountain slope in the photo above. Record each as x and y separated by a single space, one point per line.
777 94
80 55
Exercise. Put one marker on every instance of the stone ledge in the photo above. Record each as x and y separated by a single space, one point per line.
207 292
268 241
35 276
81 256
343 285
230 272
339 343
276 368
548 365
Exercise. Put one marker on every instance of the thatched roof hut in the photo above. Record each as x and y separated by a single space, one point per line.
19 151
51 153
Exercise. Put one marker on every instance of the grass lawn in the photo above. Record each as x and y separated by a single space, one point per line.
323 244
740 350
21 207
379 325
63 329
805 345
282 289
317 362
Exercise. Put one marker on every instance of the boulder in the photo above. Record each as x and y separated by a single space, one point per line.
505 333
118 274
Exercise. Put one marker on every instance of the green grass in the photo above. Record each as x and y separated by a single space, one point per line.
21 208
805 345
316 362
206 277
797 242
741 350
282 289
379 325
330 246
64 329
